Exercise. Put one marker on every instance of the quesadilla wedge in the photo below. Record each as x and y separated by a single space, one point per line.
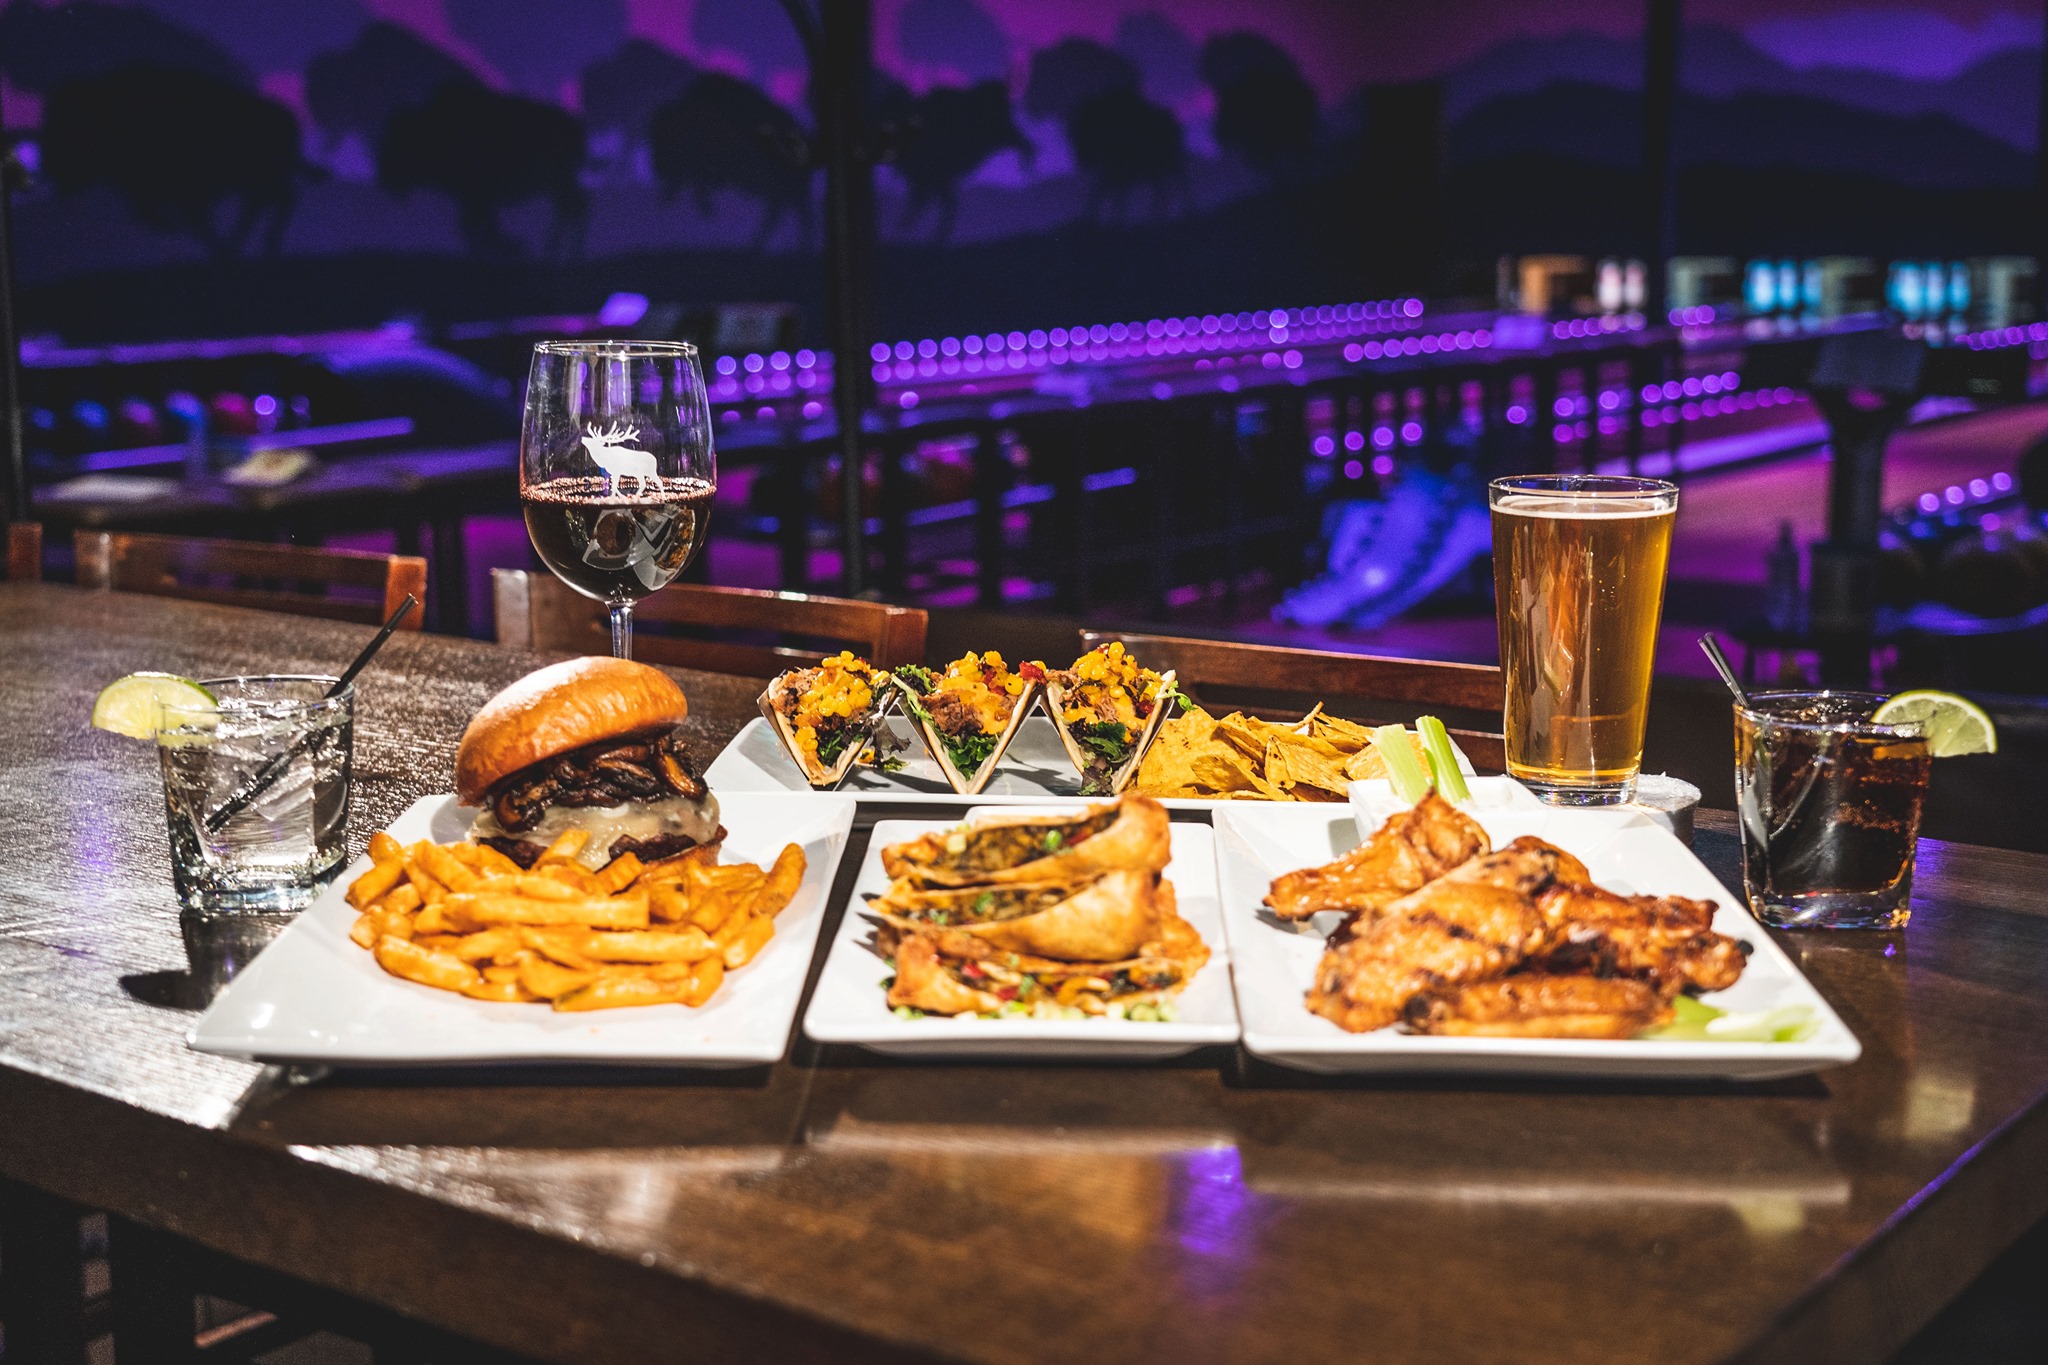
1132 833
1109 918
826 716
1107 710
968 713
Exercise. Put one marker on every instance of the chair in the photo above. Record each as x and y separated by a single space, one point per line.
342 585
1274 680
24 551
535 611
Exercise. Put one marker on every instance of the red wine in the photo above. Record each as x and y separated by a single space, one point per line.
613 547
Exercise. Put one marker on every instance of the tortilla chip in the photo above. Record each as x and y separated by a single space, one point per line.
1346 735
1227 772
1368 763
1167 769
1293 761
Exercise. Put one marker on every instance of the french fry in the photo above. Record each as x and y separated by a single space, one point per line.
396 925
464 854
492 945
432 920
527 885
385 849
562 945
400 900
575 876
600 912
751 939
616 992
646 945
666 902
501 972
565 848
503 992
676 868
363 933
619 873
492 863
428 968
440 943
549 980
704 981
782 881
430 889
444 867
373 884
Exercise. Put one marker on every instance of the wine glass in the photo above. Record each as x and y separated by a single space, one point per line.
616 470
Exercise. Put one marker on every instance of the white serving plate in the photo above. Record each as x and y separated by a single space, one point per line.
315 997
1625 851
1035 770
849 1005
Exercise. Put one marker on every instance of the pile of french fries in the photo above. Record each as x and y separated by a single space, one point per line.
464 917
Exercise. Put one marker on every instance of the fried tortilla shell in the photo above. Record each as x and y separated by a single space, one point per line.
966 784
1120 776
822 776
1106 920
1132 834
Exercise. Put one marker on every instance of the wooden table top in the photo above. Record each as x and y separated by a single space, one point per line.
839 1206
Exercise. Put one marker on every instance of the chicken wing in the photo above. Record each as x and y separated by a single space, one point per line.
1542 1005
1474 923
1667 940
1405 854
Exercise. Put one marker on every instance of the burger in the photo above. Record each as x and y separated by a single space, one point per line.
592 745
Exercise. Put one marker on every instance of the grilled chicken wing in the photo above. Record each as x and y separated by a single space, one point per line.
1403 855
1472 924
1542 1005
1667 940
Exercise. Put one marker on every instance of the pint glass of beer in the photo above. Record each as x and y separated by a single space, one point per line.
1578 571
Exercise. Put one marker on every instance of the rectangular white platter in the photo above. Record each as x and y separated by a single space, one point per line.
313 996
1626 852
1035 770
849 1005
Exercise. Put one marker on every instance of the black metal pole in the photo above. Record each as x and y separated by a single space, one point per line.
840 100
2041 184
1660 189
18 506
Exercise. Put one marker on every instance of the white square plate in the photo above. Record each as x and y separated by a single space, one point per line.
1035 771
1625 851
314 996
849 1005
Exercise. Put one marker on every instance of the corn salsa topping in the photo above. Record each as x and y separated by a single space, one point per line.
824 704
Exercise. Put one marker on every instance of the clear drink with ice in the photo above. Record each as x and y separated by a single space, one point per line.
271 853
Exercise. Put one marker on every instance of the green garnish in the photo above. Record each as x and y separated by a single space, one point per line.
832 744
1696 1021
1404 769
981 905
1106 737
1053 840
1443 759
969 752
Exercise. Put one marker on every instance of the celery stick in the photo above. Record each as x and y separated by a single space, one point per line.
1404 770
1443 759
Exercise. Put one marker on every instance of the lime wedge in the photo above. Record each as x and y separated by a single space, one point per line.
1953 725
131 706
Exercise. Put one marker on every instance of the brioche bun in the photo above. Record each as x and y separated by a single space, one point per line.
562 707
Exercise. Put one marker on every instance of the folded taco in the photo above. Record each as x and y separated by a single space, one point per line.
1103 920
827 716
1107 710
968 713
1131 833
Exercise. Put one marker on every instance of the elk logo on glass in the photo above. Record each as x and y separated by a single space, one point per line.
609 450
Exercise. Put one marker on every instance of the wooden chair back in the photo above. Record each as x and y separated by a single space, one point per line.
741 631
1273 681
341 585
24 551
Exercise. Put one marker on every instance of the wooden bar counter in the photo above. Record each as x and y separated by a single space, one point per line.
839 1207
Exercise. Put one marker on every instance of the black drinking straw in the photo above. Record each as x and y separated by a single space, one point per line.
275 769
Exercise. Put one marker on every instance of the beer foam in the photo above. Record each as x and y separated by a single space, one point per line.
1581 506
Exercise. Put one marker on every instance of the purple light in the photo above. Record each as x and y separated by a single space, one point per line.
2001 481
1354 440
880 350
779 361
1651 393
1413 308
1292 360
1930 502
1164 391
1517 414
1991 521
265 405
1382 465
1785 395
1562 431
1653 418
1373 350
908 400
1382 438
808 359
972 345
1978 488
1016 340
1712 383
1354 353
1691 388
1730 380
726 364
1954 495
1610 399
1562 407
813 410
1353 469
1691 412
1323 445
1411 432
1609 425
950 346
